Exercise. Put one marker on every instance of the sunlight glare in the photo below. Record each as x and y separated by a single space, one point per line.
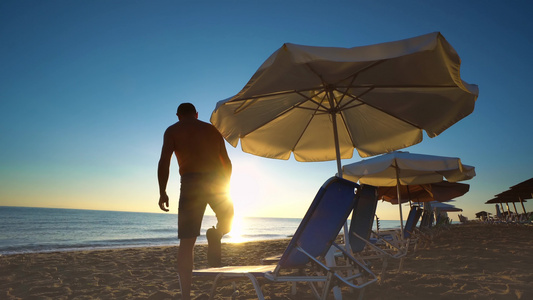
236 232
247 188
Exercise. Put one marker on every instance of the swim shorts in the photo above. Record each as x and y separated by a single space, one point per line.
197 190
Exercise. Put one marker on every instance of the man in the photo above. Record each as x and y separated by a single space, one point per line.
205 170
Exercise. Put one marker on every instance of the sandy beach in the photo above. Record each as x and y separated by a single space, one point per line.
467 261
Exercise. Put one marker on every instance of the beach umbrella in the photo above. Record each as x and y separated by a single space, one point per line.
524 186
445 207
505 198
321 103
482 214
516 196
523 190
440 191
501 200
403 168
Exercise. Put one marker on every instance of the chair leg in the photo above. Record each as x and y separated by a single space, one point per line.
401 264
214 287
327 287
293 288
384 269
314 289
361 293
257 286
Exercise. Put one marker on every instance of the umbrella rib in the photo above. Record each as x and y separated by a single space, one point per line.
319 104
344 93
354 98
267 122
310 119
353 76
327 87
298 105
389 114
366 68
270 95
395 86
349 133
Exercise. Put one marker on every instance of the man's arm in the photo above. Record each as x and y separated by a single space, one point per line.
163 171
226 162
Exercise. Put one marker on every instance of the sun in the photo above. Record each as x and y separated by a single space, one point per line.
247 188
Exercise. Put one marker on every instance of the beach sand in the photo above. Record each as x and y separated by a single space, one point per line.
467 261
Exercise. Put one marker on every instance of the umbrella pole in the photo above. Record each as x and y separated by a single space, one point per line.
339 168
523 207
508 211
330 259
409 195
399 202
335 134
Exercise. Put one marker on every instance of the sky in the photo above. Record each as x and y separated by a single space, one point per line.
87 89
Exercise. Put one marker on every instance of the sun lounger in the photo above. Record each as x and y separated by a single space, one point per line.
362 244
411 235
463 219
312 240
393 237
390 243
412 220
427 219
363 218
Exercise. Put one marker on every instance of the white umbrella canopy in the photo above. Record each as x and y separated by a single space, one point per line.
405 168
321 103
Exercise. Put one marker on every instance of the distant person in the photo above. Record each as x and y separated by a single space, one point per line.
205 171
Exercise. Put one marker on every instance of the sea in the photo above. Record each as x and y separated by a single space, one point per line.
38 230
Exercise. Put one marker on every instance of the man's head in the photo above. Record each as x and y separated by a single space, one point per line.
186 110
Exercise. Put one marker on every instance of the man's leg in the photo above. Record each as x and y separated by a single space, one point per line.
185 265
224 212
214 247
222 205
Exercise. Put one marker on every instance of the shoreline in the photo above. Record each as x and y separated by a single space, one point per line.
464 261
124 247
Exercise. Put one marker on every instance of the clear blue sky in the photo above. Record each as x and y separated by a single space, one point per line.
87 89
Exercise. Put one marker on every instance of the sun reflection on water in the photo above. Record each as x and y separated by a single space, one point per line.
235 235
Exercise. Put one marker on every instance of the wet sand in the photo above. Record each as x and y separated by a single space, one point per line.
467 261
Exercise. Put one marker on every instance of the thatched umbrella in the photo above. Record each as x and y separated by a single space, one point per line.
515 196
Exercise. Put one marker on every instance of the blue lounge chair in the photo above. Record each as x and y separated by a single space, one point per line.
363 218
412 220
312 240
408 230
362 245
427 219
